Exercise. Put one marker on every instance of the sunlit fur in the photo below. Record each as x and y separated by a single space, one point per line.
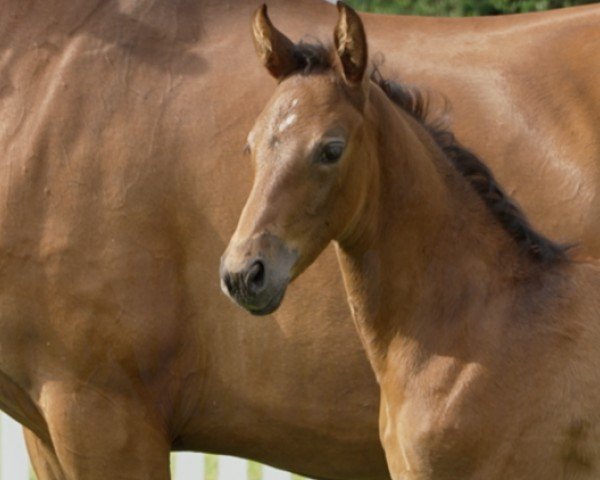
317 58
484 337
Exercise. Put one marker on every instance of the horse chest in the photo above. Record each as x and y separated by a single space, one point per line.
424 442
469 437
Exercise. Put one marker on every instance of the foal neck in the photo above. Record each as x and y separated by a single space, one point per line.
432 248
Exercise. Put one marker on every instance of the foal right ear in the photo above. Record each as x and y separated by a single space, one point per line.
351 44
273 48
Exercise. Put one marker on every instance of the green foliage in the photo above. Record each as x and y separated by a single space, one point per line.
458 8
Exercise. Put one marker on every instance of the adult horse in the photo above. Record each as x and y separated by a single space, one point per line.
483 334
122 129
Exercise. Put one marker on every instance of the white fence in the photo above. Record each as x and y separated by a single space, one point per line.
14 463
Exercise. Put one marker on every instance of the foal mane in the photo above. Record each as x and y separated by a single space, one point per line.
316 58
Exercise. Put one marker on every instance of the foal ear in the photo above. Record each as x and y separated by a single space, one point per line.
273 48
351 44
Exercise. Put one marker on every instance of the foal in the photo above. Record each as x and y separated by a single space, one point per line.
484 336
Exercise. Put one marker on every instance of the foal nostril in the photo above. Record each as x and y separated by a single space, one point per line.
227 282
255 278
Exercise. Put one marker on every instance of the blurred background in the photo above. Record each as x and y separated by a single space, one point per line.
461 8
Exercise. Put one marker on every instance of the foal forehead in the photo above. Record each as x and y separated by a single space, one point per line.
303 109
312 89
300 97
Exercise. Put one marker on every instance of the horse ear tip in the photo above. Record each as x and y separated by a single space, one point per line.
345 9
261 11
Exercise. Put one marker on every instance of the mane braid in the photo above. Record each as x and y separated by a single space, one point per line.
317 58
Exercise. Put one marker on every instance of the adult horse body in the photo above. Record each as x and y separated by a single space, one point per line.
122 125
483 334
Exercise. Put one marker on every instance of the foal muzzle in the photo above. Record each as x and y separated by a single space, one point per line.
255 273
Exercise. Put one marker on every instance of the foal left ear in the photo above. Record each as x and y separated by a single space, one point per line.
273 48
351 44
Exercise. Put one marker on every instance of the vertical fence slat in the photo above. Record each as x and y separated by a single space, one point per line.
270 473
14 463
231 468
189 466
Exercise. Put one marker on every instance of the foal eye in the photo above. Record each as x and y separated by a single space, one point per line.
331 152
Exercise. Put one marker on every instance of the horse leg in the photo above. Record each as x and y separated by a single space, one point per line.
42 456
99 435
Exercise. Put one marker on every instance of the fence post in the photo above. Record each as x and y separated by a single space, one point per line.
270 473
232 468
14 463
188 466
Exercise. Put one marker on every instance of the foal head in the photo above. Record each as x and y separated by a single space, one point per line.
311 161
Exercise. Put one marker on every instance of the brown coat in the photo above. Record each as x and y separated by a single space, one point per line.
122 177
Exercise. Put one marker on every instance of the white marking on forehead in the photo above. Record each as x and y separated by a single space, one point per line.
290 118
250 138
288 122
